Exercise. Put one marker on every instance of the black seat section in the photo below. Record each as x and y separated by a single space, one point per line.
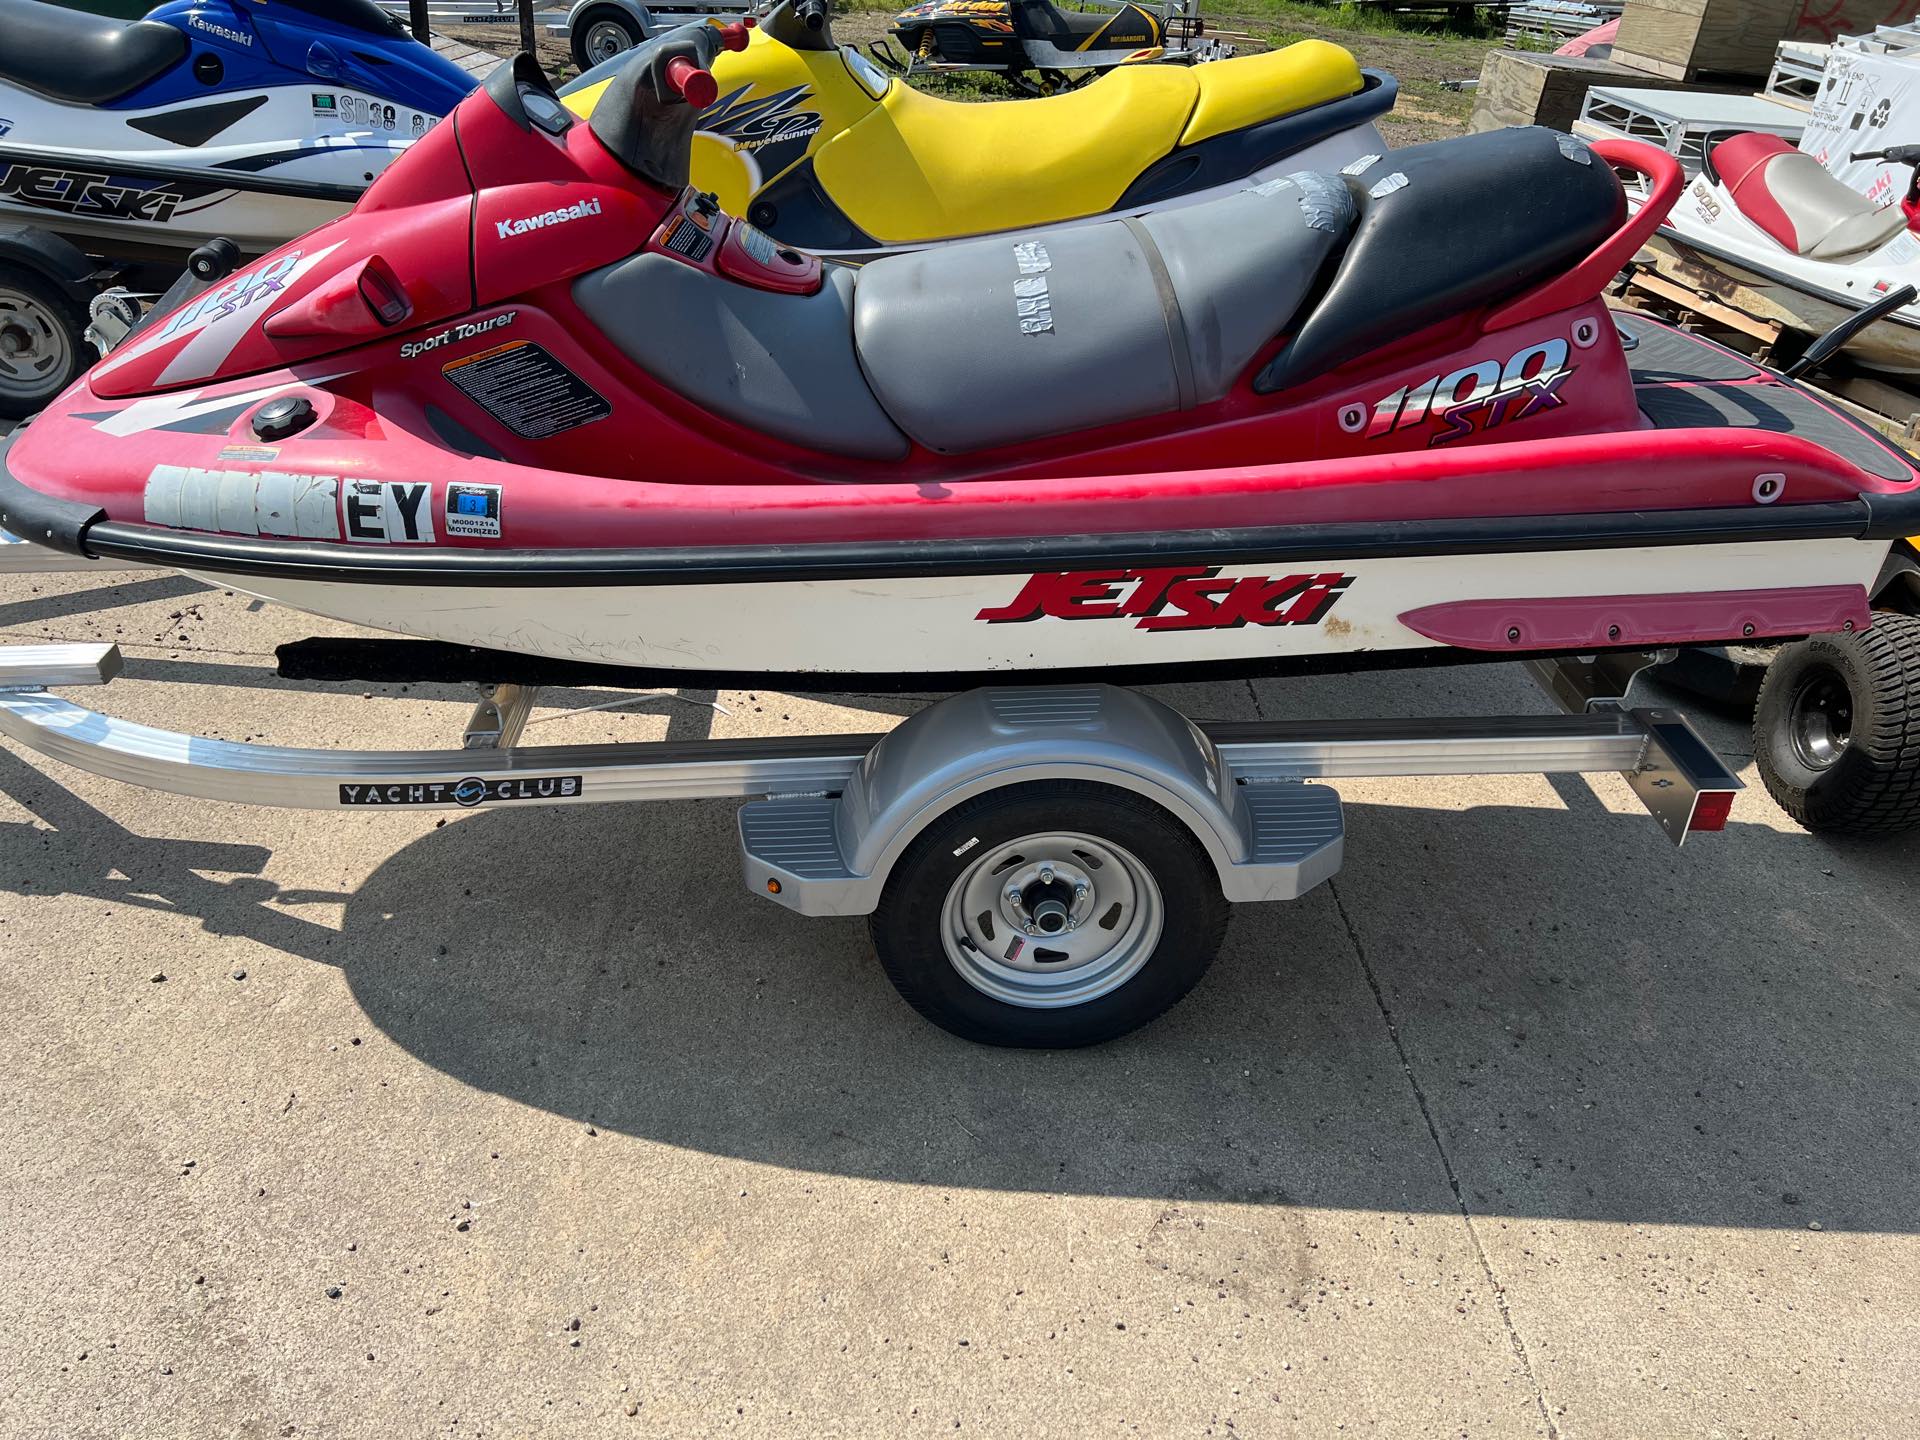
83 59
1447 227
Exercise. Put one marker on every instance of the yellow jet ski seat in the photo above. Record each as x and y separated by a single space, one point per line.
920 168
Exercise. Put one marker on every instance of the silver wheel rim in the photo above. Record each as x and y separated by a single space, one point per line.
35 350
1052 920
606 39
1820 720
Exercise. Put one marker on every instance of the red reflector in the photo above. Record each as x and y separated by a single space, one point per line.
383 294
1711 810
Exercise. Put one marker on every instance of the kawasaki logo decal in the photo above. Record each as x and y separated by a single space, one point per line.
505 229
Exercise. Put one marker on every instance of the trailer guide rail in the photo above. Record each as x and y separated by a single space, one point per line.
1042 864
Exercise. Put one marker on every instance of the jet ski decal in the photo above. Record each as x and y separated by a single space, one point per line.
1174 597
100 193
758 124
1476 397
207 329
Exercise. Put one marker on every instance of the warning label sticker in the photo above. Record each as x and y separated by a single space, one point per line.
527 390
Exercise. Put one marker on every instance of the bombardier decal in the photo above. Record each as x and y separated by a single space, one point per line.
1174 597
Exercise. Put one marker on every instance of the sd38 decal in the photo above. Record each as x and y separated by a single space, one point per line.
1173 597
1475 397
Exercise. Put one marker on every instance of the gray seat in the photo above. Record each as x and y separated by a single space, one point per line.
994 342
83 59
779 364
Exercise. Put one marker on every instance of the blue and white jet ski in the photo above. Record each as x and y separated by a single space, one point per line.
250 119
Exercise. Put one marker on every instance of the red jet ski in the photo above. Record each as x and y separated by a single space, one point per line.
534 394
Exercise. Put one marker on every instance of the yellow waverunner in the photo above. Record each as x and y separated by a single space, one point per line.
816 145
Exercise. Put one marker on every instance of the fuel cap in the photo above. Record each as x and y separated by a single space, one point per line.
277 419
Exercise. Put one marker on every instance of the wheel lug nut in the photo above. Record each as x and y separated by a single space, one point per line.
1046 875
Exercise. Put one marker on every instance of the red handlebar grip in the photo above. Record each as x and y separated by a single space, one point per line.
734 36
691 83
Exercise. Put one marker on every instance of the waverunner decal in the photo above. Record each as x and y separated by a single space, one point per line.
1173 597
1475 397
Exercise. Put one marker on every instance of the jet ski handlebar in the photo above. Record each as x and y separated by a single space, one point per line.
647 114
692 84
1898 154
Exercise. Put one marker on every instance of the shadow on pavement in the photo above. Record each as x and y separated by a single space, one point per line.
1594 1026
1598 1028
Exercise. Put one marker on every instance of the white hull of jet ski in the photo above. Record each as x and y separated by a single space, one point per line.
277 163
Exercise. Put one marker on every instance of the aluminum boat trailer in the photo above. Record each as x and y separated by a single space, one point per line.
1041 865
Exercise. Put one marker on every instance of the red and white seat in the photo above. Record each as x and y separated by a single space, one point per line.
1793 197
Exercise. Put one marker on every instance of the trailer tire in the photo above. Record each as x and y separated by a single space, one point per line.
594 38
1836 730
1136 903
43 340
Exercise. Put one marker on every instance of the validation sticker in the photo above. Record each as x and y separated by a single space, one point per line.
527 390
473 510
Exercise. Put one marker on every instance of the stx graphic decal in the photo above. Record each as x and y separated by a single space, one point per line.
204 332
1473 398
97 193
761 124
1174 597
237 294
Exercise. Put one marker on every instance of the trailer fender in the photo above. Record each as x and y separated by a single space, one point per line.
829 856
50 255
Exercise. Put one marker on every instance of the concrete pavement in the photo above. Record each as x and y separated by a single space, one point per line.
1525 1125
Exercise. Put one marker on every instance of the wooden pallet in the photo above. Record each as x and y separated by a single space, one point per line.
474 61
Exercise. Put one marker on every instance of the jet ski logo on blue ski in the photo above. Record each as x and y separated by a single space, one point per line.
95 192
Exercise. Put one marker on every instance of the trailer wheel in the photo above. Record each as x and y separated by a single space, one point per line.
602 33
1836 730
43 341
1051 914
